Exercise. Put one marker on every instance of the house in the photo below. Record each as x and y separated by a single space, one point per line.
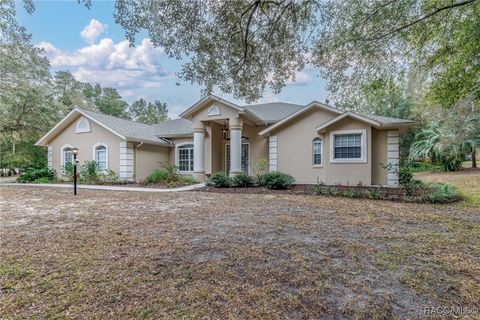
314 142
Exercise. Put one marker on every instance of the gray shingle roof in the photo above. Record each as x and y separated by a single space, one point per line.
175 127
273 112
386 120
130 129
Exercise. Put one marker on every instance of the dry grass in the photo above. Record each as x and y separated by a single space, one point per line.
123 255
467 181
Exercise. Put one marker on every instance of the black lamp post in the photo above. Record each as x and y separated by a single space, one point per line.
75 152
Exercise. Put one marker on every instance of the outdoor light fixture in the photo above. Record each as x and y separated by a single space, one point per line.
75 162
225 132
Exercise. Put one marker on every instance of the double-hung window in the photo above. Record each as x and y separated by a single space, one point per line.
185 158
67 155
348 146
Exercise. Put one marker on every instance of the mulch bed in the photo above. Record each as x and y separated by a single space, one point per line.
392 194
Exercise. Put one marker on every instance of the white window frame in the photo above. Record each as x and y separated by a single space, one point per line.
86 125
321 152
177 162
363 146
249 150
62 154
94 156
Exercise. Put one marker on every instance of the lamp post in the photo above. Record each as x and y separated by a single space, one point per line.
75 152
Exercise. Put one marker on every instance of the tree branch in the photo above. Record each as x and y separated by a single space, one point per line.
408 25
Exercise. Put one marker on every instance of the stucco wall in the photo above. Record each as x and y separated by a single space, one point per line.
294 146
149 157
85 142
294 151
379 156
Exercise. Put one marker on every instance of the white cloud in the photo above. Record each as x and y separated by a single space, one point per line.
112 64
300 78
93 30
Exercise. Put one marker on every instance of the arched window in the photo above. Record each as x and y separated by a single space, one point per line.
67 155
185 157
317 151
101 157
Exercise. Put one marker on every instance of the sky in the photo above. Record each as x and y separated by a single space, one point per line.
93 47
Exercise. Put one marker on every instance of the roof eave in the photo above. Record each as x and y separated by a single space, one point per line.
185 114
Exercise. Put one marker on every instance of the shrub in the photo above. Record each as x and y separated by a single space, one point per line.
45 180
157 176
88 171
219 180
353 193
375 193
32 175
440 193
275 180
67 171
243 181
405 175
108 176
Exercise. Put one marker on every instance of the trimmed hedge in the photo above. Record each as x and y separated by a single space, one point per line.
275 180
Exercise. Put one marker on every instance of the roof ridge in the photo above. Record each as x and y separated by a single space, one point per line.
112 116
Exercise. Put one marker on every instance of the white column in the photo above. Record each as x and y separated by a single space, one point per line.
126 161
235 125
198 153
272 153
393 157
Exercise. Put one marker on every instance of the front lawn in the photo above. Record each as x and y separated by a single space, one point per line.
123 255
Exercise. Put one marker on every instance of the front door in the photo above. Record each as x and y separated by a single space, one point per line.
245 158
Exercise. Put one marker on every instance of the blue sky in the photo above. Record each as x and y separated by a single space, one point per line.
89 44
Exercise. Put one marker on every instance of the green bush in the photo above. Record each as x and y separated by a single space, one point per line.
108 176
322 189
375 193
219 180
157 176
243 181
67 171
353 193
45 180
405 175
32 175
440 193
275 180
88 171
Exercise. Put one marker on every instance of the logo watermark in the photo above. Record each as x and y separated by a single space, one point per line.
451 311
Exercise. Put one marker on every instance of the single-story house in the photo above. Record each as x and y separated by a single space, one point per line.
314 143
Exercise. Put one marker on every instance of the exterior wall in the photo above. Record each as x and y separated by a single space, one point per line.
294 151
172 150
149 157
294 146
85 142
379 157
127 158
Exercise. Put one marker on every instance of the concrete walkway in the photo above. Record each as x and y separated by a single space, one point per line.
112 188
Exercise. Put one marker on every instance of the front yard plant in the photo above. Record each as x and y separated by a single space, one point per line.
219 180
243 180
38 175
275 180
168 176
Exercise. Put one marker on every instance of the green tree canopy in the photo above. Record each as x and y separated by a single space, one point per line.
149 113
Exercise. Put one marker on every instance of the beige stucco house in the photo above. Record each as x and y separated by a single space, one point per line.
314 143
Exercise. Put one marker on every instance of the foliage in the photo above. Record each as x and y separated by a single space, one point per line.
322 189
416 166
149 113
169 176
275 180
440 193
107 177
45 180
88 171
33 174
67 171
219 180
375 193
405 175
260 167
243 180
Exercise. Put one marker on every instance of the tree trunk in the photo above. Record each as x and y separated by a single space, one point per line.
474 157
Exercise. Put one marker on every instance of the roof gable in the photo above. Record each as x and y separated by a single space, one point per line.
310 106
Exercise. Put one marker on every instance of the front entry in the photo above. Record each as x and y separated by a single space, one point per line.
245 158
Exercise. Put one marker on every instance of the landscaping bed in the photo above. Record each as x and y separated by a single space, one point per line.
419 195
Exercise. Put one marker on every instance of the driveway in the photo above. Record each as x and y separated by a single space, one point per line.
123 255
